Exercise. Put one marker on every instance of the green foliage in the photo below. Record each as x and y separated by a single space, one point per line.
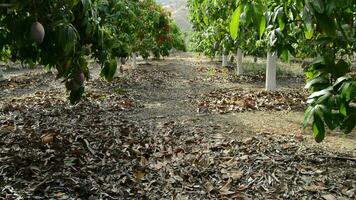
234 24
326 30
78 29
214 20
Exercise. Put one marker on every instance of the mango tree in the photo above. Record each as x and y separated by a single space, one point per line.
65 34
211 23
328 25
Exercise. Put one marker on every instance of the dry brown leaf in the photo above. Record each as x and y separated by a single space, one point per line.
244 157
350 193
328 197
139 175
8 127
209 186
236 175
47 138
218 136
314 188
143 161
225 190
60 194
159 165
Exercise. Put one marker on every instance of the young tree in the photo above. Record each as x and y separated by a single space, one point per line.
330 26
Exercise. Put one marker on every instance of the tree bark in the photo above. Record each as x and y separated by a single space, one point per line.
134 60
271 82
224 60
239 68
118 68
2 78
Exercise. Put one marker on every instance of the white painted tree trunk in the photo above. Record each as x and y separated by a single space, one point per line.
271 82
118 68
134 60
224 60
1 75
239 68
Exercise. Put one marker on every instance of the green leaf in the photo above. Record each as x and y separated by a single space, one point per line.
109 69
285 55
318 5
325 98
327 25
281 23
308 116
318 128
341 68
343 109
308 22
340 80
308 34
317 80
262 25
206 19
348 90
330 6
235 22
349 123
321 93
328 117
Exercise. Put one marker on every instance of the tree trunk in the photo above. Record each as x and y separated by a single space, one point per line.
271 83
134 60
2 78
239 68
224 60
118 68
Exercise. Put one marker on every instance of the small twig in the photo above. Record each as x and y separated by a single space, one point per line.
340 158
34 188
88 147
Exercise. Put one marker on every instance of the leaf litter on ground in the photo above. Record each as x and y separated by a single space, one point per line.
241 100
52 150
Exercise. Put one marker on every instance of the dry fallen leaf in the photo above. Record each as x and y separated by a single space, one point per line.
314 188
225 190
218 136
47 138
328 197
158 165
139 175
236 175
7 127
143 161
209 186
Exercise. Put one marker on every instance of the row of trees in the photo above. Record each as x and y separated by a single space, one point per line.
63 34
321 29
212 37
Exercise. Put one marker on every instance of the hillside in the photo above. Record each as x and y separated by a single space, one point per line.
179 11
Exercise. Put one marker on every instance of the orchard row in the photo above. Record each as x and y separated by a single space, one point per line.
64 34
321 29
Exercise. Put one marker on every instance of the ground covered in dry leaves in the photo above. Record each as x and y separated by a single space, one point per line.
160 132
